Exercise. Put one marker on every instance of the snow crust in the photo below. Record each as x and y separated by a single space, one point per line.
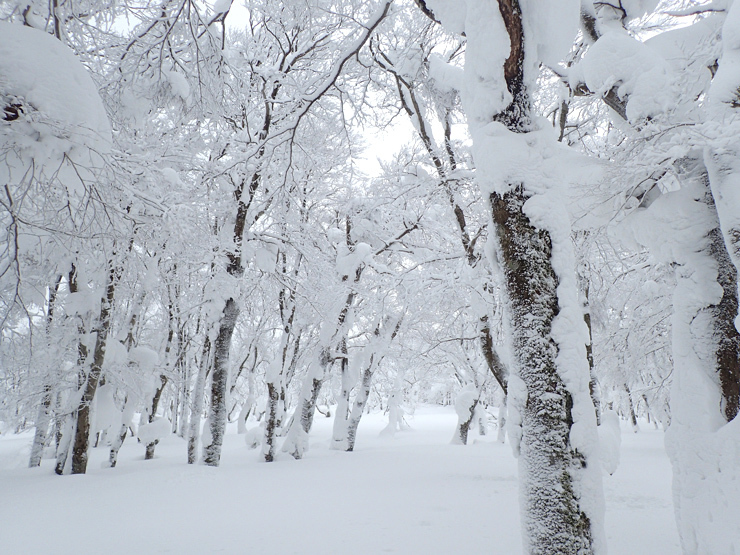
447 77
179 84
550 26
707 487
724 86
641 74
107 416
220 6
464 401
485 93
517 400
348 261
450 13
41 73
638 8
154 431
721 152
610 440
145 357
265 259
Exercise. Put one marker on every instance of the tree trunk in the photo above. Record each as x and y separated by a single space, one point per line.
65 442
593 384
219 384
43 420
465 406
359 405
339 431
357 408
126 418
274 412
554 520
296 441
149 452
81 445
706 377
631 407
198 398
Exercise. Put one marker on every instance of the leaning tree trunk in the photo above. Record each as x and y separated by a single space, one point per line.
127 416
465 406
378 344
358 407
65 420
296 441
129 407
149 451
43 420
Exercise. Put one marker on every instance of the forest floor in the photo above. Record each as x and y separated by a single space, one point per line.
413 493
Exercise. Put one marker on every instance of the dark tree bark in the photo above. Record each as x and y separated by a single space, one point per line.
149 452
724 313
219 383
555 523
81 445
554 519
272 422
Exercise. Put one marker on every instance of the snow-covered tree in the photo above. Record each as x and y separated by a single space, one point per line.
549 401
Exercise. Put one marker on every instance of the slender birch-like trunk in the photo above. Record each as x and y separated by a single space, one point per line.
198 398
43 420
81 446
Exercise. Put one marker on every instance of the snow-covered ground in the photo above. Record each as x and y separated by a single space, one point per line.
412 493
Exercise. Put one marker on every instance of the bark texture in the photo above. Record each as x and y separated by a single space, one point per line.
553 520
81 444
219 383
197 398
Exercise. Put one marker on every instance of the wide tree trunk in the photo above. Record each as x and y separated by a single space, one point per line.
555 424
219 384
554 519
701 440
